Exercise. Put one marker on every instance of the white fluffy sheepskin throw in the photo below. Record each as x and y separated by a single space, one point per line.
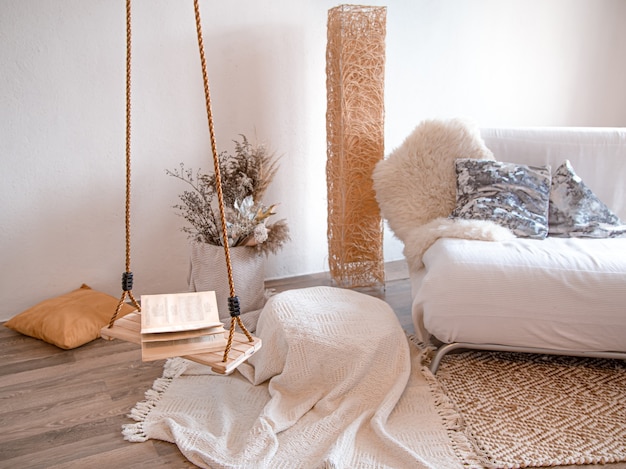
421 237
417 182
416 186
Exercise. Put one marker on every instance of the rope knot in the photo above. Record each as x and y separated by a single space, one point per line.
233 306
127 281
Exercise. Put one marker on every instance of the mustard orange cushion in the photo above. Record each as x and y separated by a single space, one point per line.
68 321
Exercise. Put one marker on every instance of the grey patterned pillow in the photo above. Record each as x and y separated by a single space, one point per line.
512 195
576 212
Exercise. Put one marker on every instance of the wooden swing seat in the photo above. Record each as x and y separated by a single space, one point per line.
128 328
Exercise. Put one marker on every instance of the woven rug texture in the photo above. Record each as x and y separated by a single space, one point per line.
526 410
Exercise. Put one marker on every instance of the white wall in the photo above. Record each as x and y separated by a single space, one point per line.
500 62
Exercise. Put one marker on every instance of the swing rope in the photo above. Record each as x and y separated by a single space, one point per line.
233 300
127 276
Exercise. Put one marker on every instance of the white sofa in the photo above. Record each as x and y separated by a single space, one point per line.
476 285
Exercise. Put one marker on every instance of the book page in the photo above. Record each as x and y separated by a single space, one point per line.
178 312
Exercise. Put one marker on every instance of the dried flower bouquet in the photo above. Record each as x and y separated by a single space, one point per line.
245 177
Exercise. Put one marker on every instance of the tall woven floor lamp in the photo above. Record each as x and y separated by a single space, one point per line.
355 70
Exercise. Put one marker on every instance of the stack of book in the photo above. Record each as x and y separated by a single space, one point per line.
179 324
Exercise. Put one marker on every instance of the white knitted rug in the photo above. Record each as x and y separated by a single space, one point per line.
336 385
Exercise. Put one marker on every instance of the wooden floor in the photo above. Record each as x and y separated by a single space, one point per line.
65 409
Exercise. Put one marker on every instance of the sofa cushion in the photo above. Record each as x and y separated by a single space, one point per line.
512 195
557 293
576 212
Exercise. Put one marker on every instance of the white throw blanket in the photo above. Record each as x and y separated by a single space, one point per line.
336 384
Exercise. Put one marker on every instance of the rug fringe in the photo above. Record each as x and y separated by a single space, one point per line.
135 432
452 420
454 424
174 367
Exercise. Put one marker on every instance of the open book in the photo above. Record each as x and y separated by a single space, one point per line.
180 324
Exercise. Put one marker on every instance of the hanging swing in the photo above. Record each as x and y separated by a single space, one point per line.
239 347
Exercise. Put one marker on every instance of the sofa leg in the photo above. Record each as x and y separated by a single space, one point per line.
441 351
447 348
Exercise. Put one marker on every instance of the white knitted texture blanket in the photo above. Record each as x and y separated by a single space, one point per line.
336 385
